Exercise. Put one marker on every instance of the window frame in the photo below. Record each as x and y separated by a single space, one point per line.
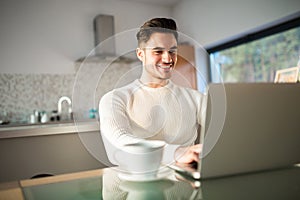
269 29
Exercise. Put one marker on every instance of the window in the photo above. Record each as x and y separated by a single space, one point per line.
256 56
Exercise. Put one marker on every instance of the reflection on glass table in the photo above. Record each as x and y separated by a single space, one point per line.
86 188
106 184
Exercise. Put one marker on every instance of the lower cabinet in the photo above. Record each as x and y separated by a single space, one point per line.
34 156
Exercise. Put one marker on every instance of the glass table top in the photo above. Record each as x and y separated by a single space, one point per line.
275 184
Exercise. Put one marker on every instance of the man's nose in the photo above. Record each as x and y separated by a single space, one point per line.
166 57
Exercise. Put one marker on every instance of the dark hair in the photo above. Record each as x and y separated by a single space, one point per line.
161 25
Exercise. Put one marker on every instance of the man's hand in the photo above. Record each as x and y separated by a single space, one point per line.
188 154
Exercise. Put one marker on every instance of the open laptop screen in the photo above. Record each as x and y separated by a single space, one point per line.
250 127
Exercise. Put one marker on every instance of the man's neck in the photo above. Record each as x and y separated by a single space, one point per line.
154 83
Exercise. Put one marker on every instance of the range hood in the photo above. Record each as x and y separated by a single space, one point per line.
104 48
103 31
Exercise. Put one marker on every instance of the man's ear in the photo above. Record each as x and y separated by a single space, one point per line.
140 54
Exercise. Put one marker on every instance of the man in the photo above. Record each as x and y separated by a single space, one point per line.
153 107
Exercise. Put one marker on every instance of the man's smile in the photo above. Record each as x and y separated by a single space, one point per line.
166 66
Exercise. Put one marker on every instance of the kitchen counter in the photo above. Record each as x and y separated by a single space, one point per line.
25 130
27 150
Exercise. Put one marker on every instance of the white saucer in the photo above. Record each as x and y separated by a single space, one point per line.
162 173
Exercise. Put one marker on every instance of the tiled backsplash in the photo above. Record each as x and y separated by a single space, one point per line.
21 94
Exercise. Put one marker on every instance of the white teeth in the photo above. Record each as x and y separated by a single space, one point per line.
166 67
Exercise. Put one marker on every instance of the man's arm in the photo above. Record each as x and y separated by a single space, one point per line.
114 125
188 154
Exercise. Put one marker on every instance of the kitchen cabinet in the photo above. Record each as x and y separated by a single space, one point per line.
27 151
185 73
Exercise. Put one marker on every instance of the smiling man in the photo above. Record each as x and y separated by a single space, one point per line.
153 107
159 56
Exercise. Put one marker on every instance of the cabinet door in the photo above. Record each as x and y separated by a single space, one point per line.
185 71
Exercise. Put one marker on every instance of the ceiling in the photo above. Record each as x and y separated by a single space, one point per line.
169 3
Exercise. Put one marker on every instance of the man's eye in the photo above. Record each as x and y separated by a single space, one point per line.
173 52
158 52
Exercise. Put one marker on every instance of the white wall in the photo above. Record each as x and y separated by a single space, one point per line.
210 21
47 36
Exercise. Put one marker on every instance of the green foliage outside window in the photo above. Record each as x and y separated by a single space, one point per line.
257 61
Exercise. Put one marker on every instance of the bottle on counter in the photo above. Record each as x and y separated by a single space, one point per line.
44 117
93 113
32 119
54 116
4 118
37 115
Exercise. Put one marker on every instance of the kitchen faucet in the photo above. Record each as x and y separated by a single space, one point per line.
59 105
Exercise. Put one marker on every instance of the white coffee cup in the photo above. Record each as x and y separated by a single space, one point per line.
141 159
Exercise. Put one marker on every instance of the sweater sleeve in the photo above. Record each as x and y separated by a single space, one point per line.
201 109
114 125
169 154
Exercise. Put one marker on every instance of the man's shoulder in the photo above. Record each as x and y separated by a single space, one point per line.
126 90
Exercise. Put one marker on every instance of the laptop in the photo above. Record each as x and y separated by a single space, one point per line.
249 127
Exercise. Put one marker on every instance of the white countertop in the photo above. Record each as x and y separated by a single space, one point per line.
11 131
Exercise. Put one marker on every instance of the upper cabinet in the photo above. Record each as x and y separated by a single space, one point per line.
185 70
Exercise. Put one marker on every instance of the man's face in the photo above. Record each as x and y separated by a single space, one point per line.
159 56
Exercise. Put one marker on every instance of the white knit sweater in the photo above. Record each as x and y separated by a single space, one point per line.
134 112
